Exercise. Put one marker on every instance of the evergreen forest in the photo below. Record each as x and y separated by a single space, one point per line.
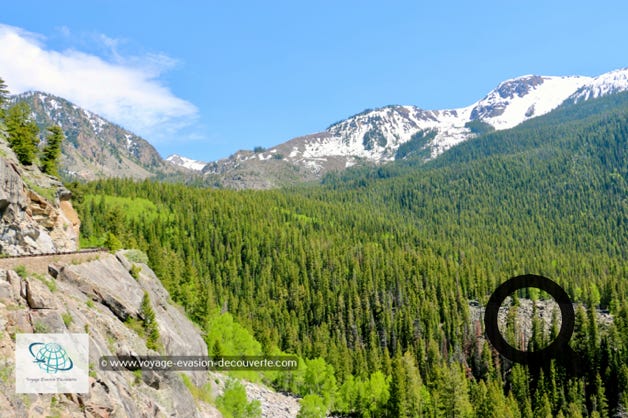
370 276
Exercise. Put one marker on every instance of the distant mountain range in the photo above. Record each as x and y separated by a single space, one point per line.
399 132
97 148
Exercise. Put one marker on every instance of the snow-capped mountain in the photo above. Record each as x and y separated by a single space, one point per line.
393 132
607 83
377 134
190 164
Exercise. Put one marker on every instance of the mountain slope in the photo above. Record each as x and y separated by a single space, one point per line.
398 132
94 148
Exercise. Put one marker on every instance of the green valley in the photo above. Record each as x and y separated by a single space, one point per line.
368 276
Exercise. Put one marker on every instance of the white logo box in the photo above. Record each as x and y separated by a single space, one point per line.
51 363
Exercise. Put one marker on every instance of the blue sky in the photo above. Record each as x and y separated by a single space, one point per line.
206 78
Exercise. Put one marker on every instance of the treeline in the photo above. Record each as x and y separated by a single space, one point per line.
22 135
370 276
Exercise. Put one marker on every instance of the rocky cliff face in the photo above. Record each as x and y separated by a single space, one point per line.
29 222
95 297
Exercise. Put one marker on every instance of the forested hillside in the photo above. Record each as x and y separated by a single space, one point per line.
373 271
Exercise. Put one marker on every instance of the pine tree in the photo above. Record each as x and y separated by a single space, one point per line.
4 97
52 151
112 242
600 404
150 324
543 409
22 132
398 403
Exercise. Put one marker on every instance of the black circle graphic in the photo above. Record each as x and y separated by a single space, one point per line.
534 358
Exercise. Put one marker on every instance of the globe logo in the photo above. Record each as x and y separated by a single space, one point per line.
51 357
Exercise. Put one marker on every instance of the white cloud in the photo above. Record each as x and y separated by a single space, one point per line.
126 90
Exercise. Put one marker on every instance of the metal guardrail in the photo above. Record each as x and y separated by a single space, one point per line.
83 251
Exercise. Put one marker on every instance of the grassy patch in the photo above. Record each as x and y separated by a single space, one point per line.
136 325
21 271
137 376
52 285
40 328
48 194
203 393
67 319
135 271
111 343
6 370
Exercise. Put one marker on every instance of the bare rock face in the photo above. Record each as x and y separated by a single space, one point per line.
12 193
38 295
29 223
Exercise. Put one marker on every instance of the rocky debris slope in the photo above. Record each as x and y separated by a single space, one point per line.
545 310
29 222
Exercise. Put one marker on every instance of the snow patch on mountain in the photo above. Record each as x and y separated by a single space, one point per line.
376 135
97 123
605 84
185 162
517 100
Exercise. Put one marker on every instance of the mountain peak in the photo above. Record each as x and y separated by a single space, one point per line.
519 99
519 86
181 161
392 132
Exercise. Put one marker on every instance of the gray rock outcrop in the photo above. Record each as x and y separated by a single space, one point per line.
29 223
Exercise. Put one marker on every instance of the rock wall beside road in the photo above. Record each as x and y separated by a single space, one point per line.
29 223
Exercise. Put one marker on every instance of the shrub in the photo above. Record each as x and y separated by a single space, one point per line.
234 403
136 256
135 271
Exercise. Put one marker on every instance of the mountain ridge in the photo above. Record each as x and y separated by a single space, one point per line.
96 148
374 136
